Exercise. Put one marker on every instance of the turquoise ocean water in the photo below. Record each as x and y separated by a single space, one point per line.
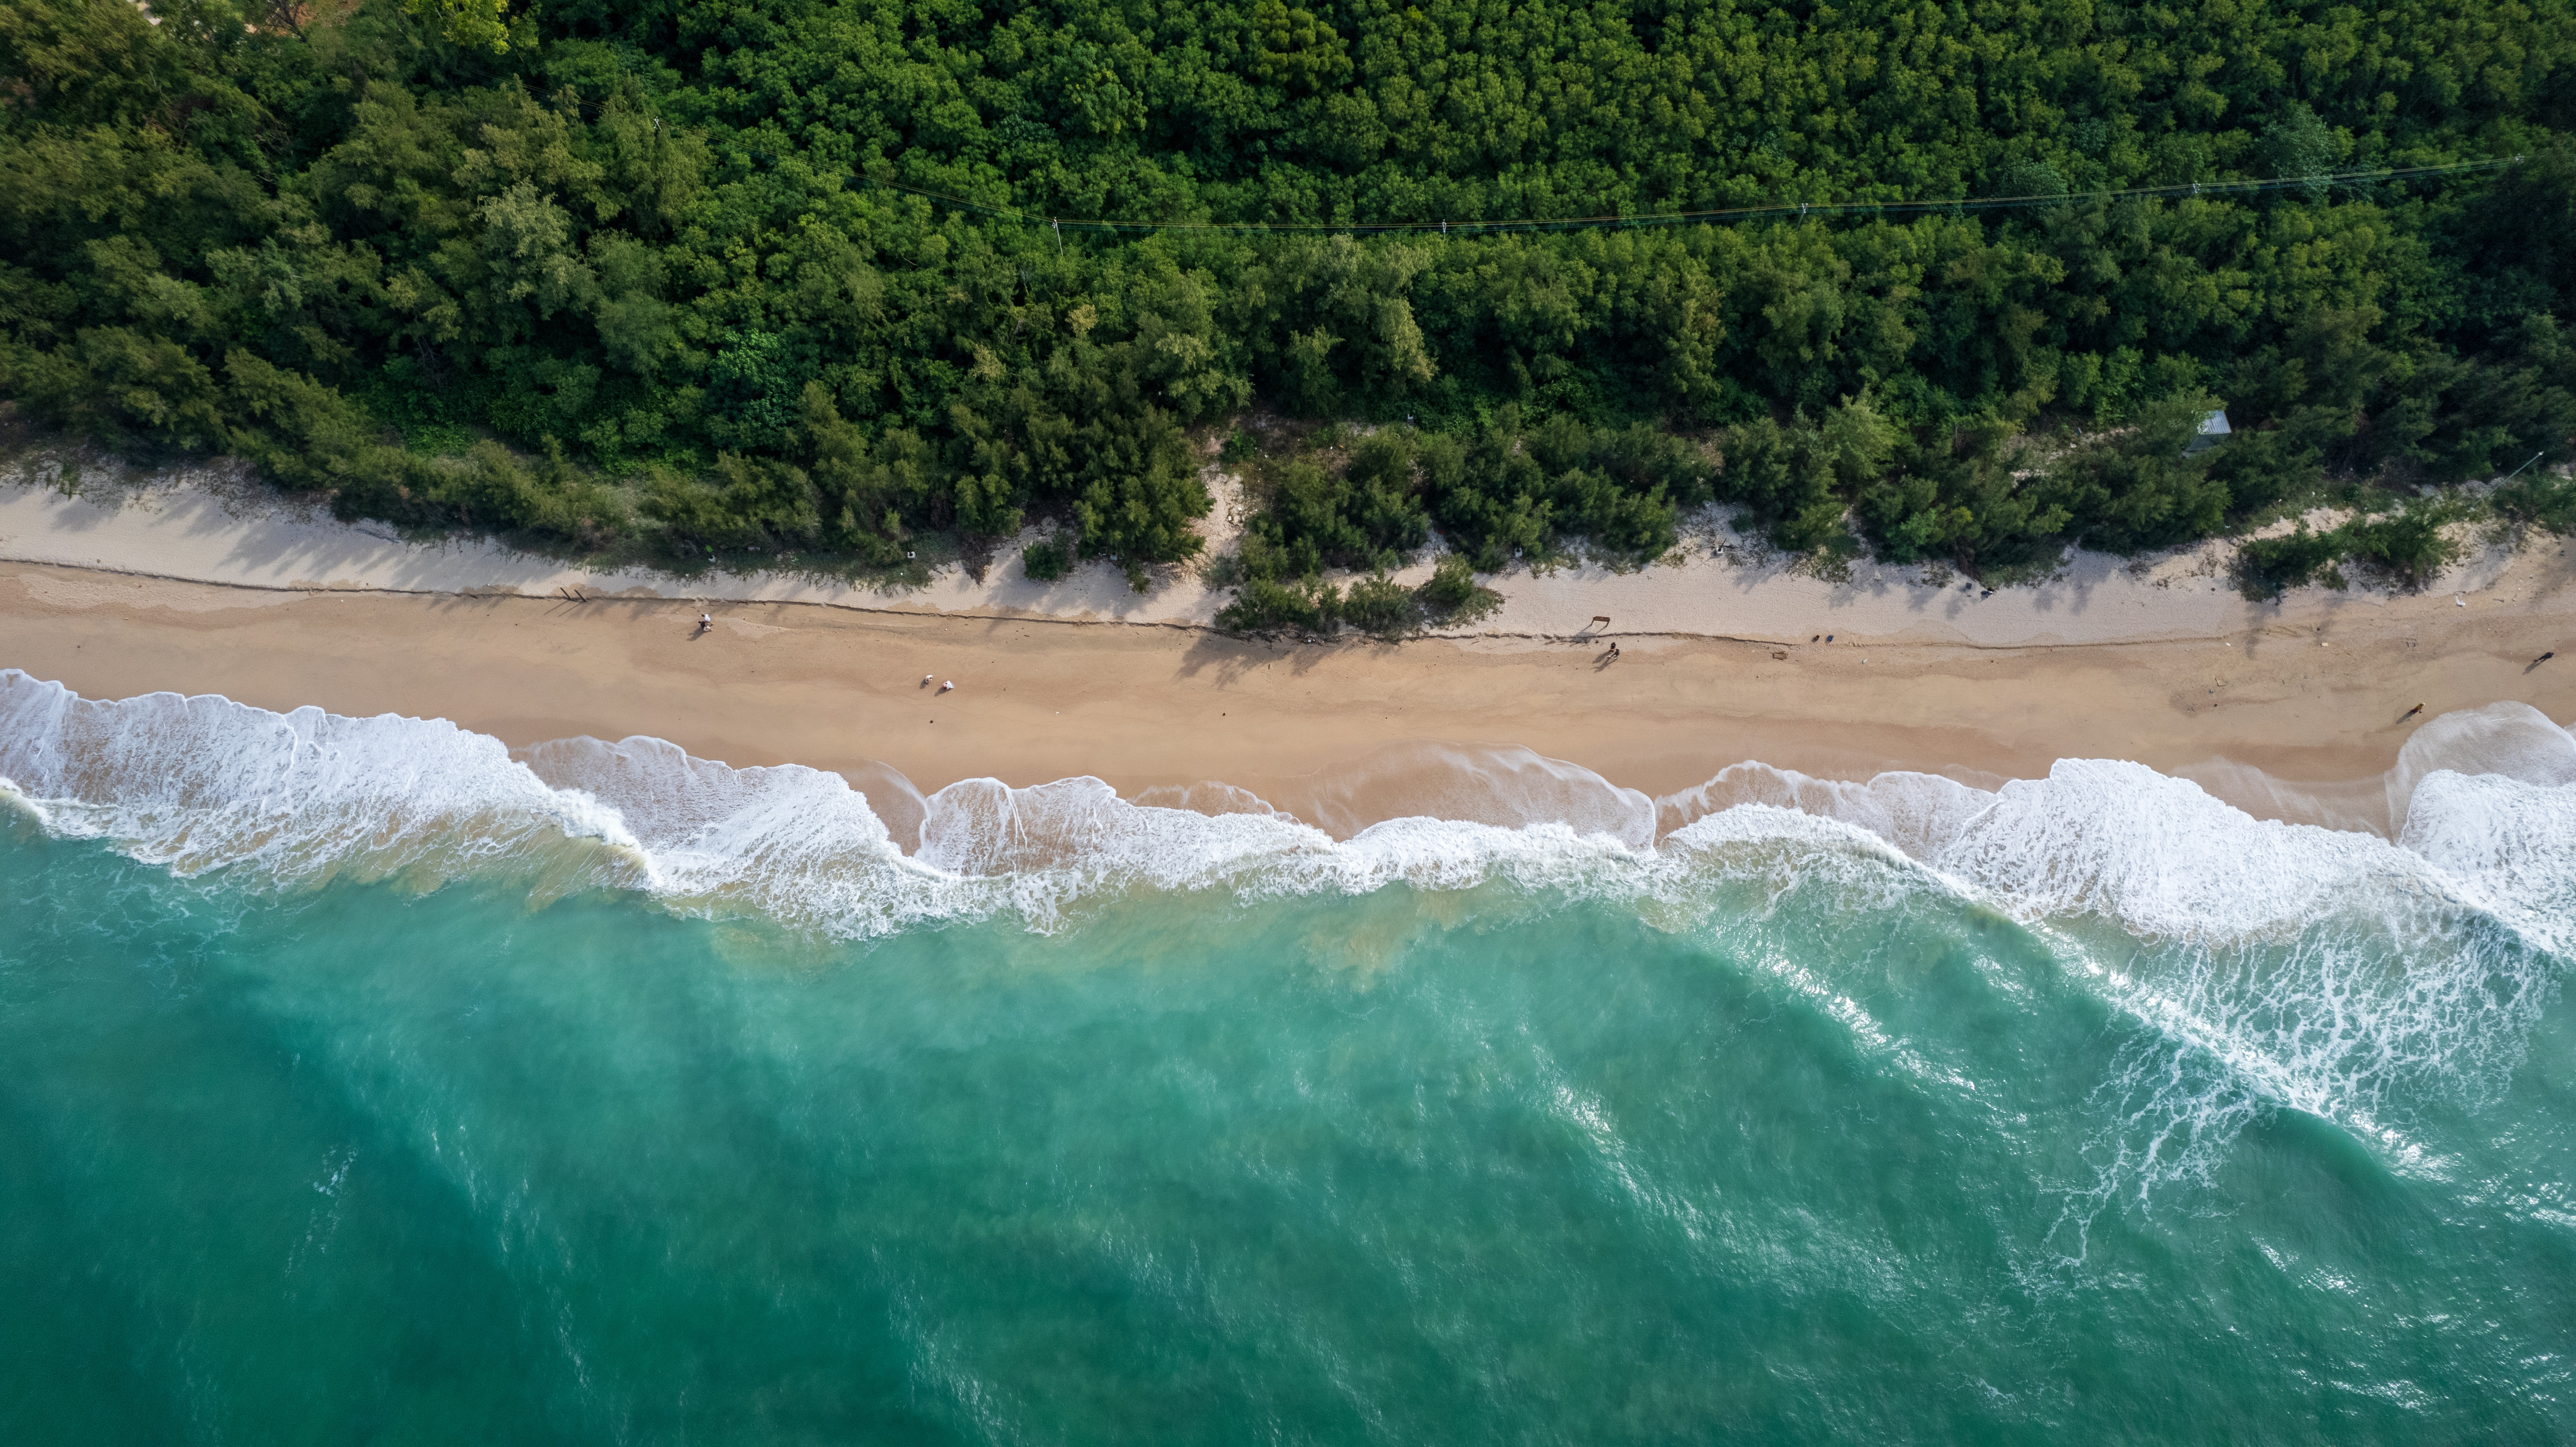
359 1083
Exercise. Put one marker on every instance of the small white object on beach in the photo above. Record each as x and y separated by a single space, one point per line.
2459 602
952 683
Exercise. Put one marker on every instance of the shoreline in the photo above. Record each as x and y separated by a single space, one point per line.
1339 734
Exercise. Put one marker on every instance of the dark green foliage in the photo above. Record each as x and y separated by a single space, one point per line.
2143 487
1264 604
1503 491
552 499
1792 479
1958 498
1368 515
745 503
656 242
1046 561
2409 545
1512 490
1380 605
1375 604
2300 148
2269 567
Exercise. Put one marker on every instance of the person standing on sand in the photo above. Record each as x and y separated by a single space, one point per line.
706 621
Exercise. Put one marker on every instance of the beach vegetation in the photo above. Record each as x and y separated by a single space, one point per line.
1265 605
1452 596
2268 567
1379 605
787 276
1046 560
1376 604
2406 542
2410 544
2545 502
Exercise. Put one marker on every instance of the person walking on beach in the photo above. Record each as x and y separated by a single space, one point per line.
706 621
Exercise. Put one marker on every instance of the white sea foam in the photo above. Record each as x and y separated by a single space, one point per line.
205 783
2273 963
2510 844
1918 813
201 783
2160 855
2510 740
794 843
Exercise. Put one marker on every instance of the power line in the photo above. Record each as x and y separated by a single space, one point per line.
1782 209
1800 209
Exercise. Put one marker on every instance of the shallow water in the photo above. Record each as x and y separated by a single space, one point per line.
362 1083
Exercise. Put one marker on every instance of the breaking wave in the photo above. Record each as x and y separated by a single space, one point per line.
2273 964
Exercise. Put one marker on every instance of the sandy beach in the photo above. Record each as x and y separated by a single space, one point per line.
202 583
1341 733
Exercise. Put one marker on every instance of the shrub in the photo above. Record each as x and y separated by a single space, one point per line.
1046 561
1382 606
2547 503
2411 545
1264 604
1454 596
2268 567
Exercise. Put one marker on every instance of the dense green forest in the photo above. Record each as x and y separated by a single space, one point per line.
661 272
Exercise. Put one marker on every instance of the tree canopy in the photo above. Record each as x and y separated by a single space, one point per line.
644 266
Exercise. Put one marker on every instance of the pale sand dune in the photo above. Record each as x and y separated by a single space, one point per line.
210 529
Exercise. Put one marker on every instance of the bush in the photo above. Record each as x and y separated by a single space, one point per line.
1368 517
1380 605
493 488
1046 561
749 503
1791 481
1264 604
2268 567
2410 546
2143 488
1454 596
2547 503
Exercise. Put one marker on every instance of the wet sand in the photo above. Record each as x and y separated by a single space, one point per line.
1150 707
